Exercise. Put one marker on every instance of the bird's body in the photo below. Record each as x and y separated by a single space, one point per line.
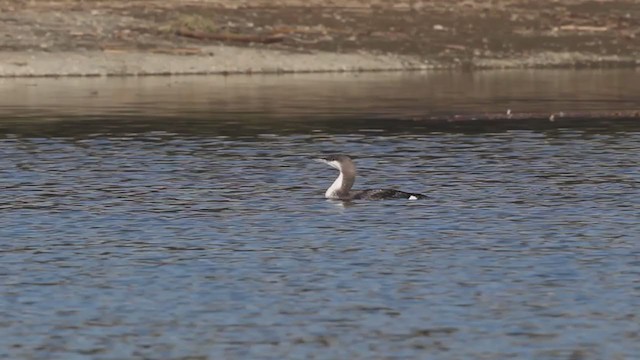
341 187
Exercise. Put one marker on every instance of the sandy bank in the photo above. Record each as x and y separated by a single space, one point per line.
219 60
81 38
232 60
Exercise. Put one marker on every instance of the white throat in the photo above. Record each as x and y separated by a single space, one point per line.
332 191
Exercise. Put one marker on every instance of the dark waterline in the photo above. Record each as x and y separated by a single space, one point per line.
182 218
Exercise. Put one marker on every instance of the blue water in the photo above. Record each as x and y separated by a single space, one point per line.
137 230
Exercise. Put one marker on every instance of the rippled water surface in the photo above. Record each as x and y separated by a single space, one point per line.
184 218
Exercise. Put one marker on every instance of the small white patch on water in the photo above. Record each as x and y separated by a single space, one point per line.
413 197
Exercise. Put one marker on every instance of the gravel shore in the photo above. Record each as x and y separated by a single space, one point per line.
113 38
220 60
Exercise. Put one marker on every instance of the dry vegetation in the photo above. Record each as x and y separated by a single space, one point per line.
444 31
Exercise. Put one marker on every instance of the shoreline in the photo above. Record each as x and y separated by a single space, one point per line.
226 60
222 61
205 37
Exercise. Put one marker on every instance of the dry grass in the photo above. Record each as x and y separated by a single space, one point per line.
192 22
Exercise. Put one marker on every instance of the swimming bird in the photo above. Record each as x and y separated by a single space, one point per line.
341 187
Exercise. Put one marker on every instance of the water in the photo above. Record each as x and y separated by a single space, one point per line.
182 218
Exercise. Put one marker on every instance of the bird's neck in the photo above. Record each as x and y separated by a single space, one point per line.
341 186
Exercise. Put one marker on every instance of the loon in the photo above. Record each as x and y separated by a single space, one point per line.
341 187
